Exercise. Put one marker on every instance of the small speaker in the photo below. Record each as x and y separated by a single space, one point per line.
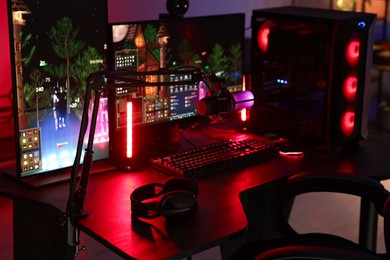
310 70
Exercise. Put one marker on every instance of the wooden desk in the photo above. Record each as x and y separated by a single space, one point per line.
223 202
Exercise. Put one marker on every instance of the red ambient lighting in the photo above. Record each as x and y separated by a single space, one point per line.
244 116
350 87
347 123
352 52
262 35
244 111
129 136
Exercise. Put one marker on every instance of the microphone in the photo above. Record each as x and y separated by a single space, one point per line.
224 103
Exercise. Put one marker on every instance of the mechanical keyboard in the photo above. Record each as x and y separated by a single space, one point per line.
215 158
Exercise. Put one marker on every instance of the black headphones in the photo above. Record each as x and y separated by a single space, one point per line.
179 198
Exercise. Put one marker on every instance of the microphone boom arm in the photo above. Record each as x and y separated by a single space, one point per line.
96 83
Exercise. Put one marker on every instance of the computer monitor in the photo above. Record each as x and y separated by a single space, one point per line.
55 45
212 44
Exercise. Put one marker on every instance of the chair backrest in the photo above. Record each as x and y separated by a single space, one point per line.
339 182
386 224
39 231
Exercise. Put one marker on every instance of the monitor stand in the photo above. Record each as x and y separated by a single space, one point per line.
62 175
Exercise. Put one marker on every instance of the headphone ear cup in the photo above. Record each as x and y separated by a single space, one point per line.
178 204
181 183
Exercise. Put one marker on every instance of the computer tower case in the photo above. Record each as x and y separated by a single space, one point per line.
310 72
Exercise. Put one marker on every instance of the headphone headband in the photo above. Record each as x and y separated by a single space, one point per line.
178 199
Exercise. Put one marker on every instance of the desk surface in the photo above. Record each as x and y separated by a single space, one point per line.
220 215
